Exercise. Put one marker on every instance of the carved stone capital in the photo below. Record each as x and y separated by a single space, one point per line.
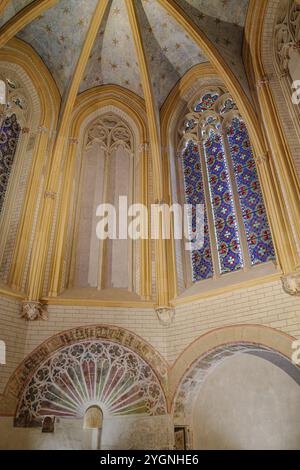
291 283
32 311
165 315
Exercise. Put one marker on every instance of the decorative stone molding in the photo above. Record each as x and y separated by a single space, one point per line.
110 131
165 315
195 375
50 195
32 311
287 36
291 283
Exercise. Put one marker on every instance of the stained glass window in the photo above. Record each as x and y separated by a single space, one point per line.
237 235
9 135
228 105
206 102
229 249
258 233
194 194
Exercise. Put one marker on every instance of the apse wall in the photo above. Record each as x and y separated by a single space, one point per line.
265 304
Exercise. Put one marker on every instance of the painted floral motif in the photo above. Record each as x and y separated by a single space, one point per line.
9 135
194 194
230 254
88 373
257 228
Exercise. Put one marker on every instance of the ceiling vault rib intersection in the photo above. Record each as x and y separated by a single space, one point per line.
23 18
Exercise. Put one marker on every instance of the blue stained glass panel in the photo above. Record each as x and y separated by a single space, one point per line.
258 233
229 248
9 135
194 194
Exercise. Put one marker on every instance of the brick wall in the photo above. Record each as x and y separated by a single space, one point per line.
264 305
13 333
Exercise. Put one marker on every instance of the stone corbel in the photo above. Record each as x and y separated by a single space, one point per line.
291 283
32 311
165 315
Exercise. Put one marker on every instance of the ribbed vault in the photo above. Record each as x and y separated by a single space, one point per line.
57 30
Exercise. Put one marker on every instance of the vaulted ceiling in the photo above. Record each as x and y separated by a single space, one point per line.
59 33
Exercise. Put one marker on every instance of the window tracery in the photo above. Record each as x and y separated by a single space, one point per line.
219 171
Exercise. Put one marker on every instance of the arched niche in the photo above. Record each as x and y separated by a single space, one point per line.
92 425
93 418
108 168
89 109
242 352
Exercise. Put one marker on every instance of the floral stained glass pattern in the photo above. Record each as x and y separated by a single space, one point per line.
9 135
229 248
258 233
194 194
206 102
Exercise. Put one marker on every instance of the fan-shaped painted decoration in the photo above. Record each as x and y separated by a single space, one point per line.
90 373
